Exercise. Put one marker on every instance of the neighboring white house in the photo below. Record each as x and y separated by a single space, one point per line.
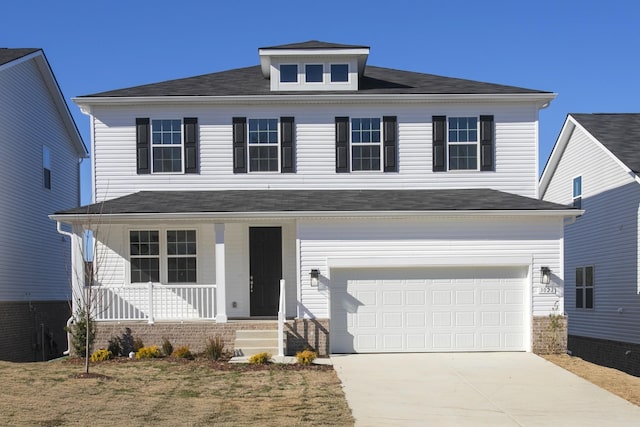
594 166
400 208
41 152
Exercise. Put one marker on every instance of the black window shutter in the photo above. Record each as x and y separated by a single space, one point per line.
239 145
191 145
287 145
342 144
439 143
487 162
143 142
390 144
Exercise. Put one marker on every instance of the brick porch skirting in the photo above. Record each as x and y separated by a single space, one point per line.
620 355
300 334
548 337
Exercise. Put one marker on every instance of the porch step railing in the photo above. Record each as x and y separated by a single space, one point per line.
281 318
154 301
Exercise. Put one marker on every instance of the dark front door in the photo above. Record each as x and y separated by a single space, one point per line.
265 269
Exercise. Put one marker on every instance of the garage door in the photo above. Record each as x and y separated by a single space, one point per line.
428 310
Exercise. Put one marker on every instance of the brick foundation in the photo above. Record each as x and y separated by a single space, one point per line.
546 338
33 332
300 334
614 354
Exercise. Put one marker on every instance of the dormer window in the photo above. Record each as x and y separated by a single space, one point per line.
339 73
289 73
313 73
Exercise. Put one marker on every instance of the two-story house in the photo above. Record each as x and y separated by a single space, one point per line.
400 208
39 174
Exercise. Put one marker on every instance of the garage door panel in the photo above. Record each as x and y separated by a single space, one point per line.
430 309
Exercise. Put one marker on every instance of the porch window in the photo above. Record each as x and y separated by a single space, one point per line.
181 256
144 253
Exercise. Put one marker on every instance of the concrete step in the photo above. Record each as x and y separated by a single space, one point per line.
256 333
250 351
253 341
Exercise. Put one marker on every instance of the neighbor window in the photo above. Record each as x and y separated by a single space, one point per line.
339 73
144 255
365 144
289 73
263 145
46 167
166 145
577 192
584 287
181 256
313 73
463 143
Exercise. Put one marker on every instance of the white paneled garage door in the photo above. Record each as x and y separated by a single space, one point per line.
428 309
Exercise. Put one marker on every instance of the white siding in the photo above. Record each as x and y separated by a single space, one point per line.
536 239
33 260
605 237
516 149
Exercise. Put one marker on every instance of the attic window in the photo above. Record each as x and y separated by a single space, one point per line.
289 73
339 73
313 73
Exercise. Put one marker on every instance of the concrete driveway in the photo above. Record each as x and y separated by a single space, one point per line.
474 389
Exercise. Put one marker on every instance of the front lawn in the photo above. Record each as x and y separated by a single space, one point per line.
165 392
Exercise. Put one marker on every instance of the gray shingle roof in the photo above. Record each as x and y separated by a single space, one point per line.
273 201
7 54
316 44
376 80
620 133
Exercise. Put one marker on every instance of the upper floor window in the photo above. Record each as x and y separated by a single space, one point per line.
365 144
46 167
463 143
584 287
167 145
577 192
289 73
263 145
339 73
314 73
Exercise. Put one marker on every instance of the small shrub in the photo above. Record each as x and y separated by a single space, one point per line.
78 330
114 346
148 352
138 344
167 347
306 357
183 353
101 355
260 358
214 348
126 342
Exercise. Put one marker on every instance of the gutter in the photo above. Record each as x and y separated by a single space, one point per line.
70 320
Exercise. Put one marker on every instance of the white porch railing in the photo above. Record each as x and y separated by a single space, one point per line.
154 301
281 318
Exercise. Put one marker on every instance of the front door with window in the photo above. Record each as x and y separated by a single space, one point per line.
265 269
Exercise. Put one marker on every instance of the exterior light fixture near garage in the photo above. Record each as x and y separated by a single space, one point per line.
545 275
315 275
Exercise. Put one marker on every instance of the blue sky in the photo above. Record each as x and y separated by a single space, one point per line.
588 52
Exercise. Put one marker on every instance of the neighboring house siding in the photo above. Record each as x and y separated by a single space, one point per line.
605 237
456 238
515 152
35 259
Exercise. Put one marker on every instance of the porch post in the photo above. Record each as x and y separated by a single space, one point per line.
78 268
221 294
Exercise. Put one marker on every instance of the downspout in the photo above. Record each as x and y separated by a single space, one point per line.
70 320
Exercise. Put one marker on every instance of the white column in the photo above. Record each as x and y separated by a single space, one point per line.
221 294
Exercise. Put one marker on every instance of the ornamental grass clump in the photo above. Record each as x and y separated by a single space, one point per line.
167 347
148 352
260 358
101 355
183 353
214 348
306 357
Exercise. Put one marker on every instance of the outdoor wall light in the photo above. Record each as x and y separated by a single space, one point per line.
545 275
315 275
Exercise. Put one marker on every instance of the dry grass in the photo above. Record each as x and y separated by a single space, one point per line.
617 382
169 393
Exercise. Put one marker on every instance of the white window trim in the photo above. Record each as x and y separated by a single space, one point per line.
322 82
46 165
152 145
297 82
380 144
348 81
163 263
574 197
249 145
477 143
